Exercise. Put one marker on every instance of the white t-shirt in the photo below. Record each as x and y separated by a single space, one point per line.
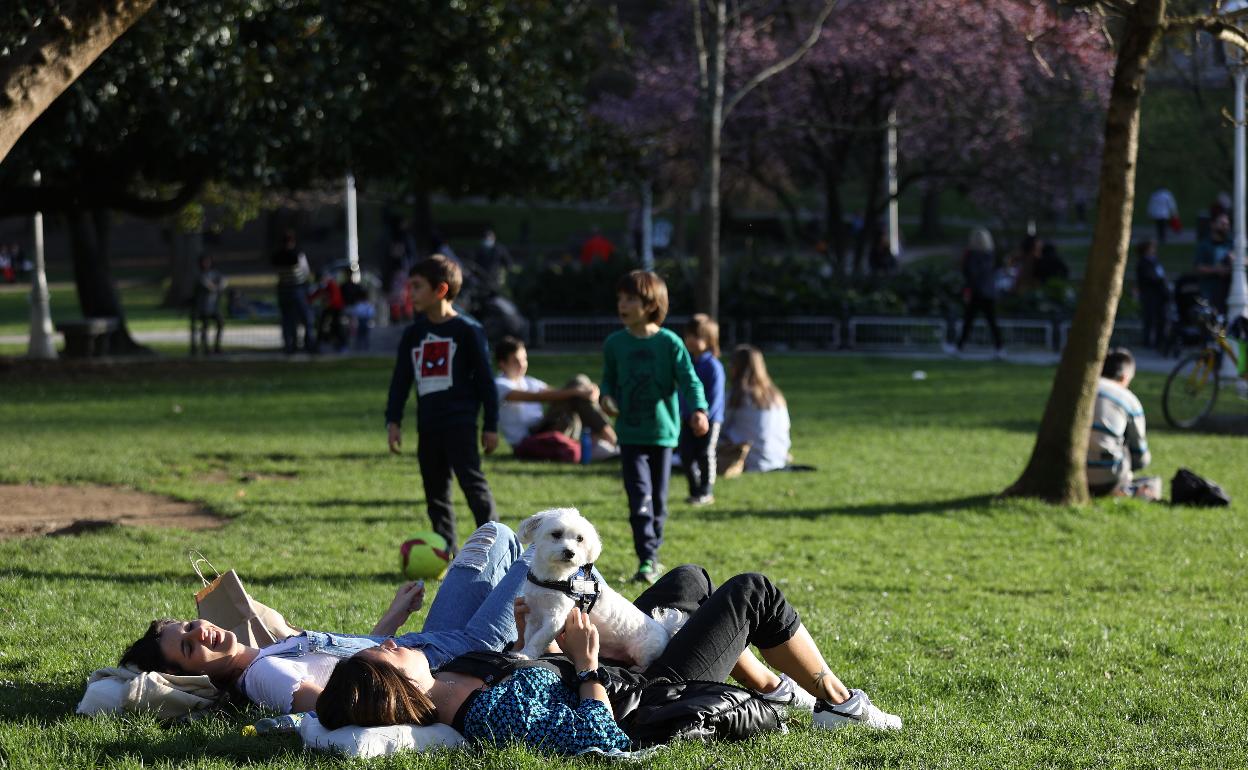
271 682
766 430
517 418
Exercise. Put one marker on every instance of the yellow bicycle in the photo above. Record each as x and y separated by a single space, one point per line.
1192 387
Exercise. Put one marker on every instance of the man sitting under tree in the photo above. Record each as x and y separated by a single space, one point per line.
1116 444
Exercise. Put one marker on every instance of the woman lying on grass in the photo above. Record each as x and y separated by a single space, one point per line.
536 706
472 611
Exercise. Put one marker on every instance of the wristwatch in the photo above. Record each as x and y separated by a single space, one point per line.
599 675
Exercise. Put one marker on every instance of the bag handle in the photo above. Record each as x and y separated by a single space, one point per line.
197 558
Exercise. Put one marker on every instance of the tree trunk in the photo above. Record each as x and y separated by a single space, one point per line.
1056 471
873 209
706 292
93 277
422 223
929 215
834 220
54 55
184 251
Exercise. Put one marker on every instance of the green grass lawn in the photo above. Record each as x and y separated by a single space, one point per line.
1007 634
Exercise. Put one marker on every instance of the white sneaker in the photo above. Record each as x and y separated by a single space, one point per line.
789 694
858 710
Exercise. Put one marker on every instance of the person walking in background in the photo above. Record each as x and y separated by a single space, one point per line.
293 277
206 305
643 367
1213 263
1164 211
979 292
332 323
447 358
1150 281
697 453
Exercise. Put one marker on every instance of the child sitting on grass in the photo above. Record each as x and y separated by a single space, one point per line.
757 417
573 408
643 366
697 453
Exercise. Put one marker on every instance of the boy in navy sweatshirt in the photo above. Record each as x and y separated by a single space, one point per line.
447 358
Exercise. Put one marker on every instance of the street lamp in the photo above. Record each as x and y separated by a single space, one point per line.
1237 299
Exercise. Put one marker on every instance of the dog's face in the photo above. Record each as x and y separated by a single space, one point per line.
563 542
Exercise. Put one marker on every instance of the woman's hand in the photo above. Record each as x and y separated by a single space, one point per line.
408 599
580 640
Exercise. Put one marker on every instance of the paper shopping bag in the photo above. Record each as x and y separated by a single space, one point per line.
226 603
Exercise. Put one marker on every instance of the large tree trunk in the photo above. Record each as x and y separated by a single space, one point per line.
1056 471
184 252
54 55
834 219
930 227
706 292
93 277
422 223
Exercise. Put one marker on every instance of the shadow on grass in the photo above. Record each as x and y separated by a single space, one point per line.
868 509
37 700
180 749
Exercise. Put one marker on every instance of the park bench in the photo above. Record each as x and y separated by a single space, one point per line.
87 337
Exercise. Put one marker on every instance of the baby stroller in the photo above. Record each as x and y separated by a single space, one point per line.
1183 317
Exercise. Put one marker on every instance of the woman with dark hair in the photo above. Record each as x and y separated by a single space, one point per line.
536 705
472 611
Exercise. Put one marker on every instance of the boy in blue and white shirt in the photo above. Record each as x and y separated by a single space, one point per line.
1117 446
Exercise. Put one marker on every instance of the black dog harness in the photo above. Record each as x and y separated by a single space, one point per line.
582 587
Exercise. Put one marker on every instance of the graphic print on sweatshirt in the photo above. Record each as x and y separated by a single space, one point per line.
431 360
641 389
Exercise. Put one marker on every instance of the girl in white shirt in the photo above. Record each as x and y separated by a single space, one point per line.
756 413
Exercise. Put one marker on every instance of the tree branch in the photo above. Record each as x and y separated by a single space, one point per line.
788 61
58 50
1217 26
699 40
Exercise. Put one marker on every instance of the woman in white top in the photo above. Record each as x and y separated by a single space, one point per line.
757 413
473 611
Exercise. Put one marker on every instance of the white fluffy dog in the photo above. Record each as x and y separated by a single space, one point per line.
564 542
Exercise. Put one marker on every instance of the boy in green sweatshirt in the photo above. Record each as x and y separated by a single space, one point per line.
643 365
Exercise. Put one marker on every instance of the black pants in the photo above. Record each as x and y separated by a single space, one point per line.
746 610
980 304
199 332
647 470
442 451
697 457
1153 316
1162 226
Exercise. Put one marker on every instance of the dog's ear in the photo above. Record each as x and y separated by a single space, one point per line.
593 542
529 527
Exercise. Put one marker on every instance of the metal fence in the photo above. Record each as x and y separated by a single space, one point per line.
1019 334
893 333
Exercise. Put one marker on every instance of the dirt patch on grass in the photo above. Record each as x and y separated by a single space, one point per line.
27 511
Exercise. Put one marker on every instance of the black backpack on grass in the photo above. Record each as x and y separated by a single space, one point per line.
1189 489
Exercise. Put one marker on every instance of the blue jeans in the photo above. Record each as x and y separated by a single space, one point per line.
296 312
474 608
646 471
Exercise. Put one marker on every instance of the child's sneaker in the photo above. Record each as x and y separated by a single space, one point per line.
858 710
648 571
789 694
700 499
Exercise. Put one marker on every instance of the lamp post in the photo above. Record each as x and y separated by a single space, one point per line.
353 237
1237 299
42 344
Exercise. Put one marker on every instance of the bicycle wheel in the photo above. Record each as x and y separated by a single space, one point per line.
1191 389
